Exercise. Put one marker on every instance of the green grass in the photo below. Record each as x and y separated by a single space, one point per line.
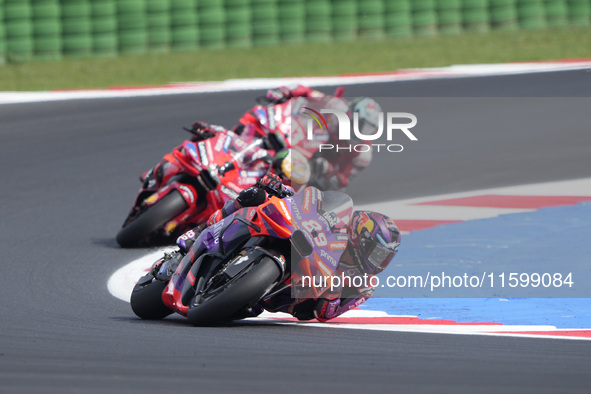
300 60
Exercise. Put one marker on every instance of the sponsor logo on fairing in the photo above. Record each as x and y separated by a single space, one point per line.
203 154
328 257
247 181
251 173
296 212
341 245
241 260
307 200
285 210
314 197
227 143
323 220
331 218
219 144
186 191
192 150
271 117
229 192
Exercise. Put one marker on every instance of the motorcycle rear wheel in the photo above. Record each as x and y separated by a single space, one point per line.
149 221
244 290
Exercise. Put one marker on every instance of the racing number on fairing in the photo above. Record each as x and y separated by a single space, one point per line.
316 229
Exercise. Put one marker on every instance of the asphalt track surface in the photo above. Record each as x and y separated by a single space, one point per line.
69 174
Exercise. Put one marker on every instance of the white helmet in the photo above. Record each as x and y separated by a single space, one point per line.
368 111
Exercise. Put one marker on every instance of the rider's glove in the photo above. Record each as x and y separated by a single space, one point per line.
271 183
278 95
200 130
250 197
203 131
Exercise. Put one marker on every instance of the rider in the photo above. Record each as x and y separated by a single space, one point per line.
373 241
333 170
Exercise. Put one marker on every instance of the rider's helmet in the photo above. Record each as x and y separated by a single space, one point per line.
373 240
293 168
368 113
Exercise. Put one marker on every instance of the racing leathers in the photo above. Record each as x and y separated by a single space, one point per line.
343 297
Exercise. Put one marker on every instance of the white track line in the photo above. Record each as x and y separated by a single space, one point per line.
455 71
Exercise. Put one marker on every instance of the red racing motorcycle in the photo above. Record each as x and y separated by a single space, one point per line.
206 174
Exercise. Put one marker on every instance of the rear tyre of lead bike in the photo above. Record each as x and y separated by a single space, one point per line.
146 301
242 291
149 221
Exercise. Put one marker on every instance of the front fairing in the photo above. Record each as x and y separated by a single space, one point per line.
322 218
215 243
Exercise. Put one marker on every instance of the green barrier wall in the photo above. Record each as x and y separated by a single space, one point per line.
52 29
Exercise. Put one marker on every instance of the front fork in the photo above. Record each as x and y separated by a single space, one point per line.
198 267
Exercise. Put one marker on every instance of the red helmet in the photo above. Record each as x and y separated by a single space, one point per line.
374 239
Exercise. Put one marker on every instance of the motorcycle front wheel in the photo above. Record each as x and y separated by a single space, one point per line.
246 289
149 221
146 301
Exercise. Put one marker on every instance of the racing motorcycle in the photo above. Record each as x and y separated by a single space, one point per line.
209 173
249 258
213 171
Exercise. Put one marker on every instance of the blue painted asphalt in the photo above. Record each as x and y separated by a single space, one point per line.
549 240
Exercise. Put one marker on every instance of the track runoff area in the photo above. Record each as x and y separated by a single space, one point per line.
532 228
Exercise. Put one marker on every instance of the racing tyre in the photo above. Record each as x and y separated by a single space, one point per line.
149 221
146 301
244 290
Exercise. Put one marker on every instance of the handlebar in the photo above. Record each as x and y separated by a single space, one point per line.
284 192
